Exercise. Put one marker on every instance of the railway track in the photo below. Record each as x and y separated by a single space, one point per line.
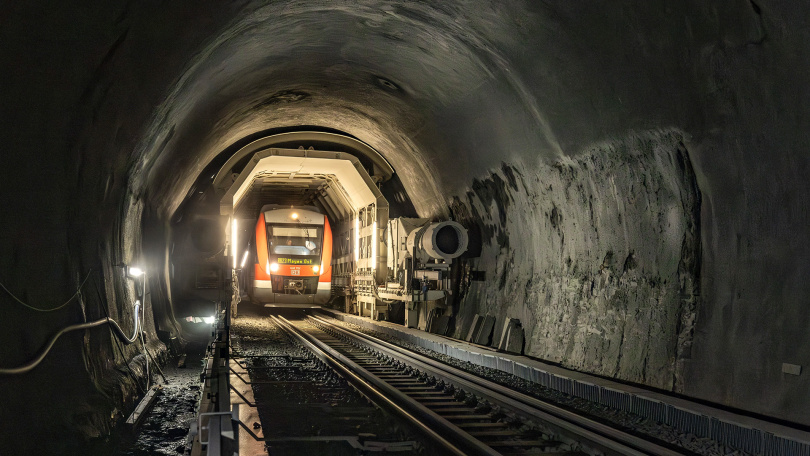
461 413
302 406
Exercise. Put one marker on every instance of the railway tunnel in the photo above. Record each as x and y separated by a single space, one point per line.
631 175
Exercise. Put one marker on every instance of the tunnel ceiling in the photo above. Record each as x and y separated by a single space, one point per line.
384 74
634 170
379 169
283 191
589 137
302 180
336 182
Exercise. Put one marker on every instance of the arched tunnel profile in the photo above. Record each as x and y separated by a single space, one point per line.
623 184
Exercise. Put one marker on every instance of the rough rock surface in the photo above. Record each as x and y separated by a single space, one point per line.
110 110
598 255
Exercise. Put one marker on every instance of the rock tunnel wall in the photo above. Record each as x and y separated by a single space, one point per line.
598 256
121 103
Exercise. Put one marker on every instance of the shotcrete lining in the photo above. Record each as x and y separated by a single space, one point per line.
113 103
424 128
594 254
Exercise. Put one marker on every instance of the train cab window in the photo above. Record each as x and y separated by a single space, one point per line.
294 240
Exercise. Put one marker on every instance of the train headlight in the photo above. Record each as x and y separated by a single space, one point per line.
315 269
274 267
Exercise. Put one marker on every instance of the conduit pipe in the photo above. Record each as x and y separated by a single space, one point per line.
92 324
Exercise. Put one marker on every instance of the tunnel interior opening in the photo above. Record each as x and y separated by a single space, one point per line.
568 140
199 229
447 240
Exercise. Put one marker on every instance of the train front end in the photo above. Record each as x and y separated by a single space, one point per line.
293 256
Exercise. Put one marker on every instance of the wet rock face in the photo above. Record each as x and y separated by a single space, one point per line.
596 255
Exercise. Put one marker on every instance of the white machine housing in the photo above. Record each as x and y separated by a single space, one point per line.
440 241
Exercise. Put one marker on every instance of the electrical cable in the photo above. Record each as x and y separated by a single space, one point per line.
52 309
119 333
47 348
143 344
121 349
374 291
129 340
131 374
143 341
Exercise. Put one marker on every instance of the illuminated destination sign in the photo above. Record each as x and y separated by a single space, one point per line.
295 261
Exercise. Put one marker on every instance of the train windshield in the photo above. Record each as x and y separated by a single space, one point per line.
294 240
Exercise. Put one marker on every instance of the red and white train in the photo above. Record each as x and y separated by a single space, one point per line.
293 257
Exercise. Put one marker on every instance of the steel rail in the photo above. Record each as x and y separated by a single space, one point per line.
595 433
411 410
